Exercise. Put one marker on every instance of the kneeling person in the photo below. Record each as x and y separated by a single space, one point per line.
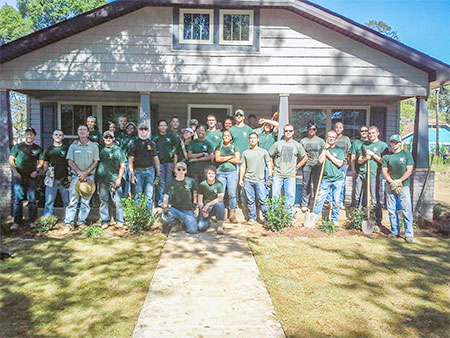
182 195
109 177
210 201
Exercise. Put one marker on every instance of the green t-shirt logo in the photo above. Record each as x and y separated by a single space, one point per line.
375 149
110 156
35 152
244 133
149 147
205 148
402 159
62 153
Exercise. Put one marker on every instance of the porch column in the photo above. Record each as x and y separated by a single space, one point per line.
420 149
5 143
283 109
145 111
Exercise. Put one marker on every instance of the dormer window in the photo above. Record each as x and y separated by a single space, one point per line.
196 26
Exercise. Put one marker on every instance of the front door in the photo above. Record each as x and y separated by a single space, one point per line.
200 112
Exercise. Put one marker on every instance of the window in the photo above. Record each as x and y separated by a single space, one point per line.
196 26
301 117
74 115
353 120
236 27
112 113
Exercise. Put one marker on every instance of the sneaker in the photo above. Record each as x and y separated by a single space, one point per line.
177 227
391 235
220 230
343 207
67 229
409 240
120 225
105 225
32 225
251 221
335 223
15 226
376 228
305 209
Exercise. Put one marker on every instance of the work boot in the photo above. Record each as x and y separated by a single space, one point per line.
219 229
232 216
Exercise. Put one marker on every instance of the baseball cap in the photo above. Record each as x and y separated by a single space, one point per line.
108 133
239 112
181 164
193 121
187 129
396 138
31 129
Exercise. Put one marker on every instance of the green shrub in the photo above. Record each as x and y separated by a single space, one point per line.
45 224
437 211
92 231
355 219
278 217
328 226
137 216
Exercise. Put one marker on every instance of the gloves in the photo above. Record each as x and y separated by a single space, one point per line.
269 181
156 180
396 186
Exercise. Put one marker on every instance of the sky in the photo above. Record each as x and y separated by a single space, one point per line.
421 24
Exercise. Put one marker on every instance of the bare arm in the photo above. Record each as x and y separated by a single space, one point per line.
12 164
165 201
271 122
119 177
242 174
236 159
270 167
302 162
131 169
334 159
322 156
156 165
220 158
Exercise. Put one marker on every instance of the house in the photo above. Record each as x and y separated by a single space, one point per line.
151 59
444 136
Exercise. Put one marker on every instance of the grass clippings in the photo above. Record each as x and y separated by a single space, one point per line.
76 287
357 286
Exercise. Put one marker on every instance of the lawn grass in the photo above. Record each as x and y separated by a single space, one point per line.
356 286
76 287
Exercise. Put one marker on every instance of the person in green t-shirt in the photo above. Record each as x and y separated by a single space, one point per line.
125 143
181 153
313 145
267 133
252 177
94 135
344 142
56 168
359 171
240 131
288 156
228 156
333 177
200 154
167 144
397 168
213 135
374 151
181 193
210 201
122 121
24 160
109 178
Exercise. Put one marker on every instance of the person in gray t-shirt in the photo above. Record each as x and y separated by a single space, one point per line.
251 176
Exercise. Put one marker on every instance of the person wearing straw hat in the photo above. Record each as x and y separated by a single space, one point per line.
181 193
83 158
397 168
24 160
109 177
333 177
374 151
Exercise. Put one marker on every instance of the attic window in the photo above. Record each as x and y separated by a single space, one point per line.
236 27
196 26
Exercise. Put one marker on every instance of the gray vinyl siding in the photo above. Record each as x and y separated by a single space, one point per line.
392 120
35 117
134 53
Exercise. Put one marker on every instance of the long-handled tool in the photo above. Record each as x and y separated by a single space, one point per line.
311 217
368 226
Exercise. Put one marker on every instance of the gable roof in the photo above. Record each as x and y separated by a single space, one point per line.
438 72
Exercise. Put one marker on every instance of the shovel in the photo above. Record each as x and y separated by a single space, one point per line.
368 226
310 217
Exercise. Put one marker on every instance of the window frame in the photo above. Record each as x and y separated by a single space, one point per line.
249 12
183 11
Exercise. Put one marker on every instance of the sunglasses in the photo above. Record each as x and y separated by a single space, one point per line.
313 129
109 136
143 128
181 169
289 131
364 131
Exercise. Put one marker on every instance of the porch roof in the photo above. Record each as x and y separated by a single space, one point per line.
438 72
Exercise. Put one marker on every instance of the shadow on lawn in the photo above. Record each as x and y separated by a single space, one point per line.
426 269
50 284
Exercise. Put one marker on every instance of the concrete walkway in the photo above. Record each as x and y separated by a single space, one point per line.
207 285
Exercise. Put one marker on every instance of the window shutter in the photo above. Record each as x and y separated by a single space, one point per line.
48 123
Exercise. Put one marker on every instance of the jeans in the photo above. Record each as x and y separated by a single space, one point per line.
217 210
229 179
165 177
342 196
288 184
310 181
71 210
105 194
404 199
375 197
126 185
241 194
360 198
256 190
145 184
22 187
330 188
50 196
185 216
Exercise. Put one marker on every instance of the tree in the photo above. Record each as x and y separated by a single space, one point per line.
444 103
12 25
43 14
382 28
19 116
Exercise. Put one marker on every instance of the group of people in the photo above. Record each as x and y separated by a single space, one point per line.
211 169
